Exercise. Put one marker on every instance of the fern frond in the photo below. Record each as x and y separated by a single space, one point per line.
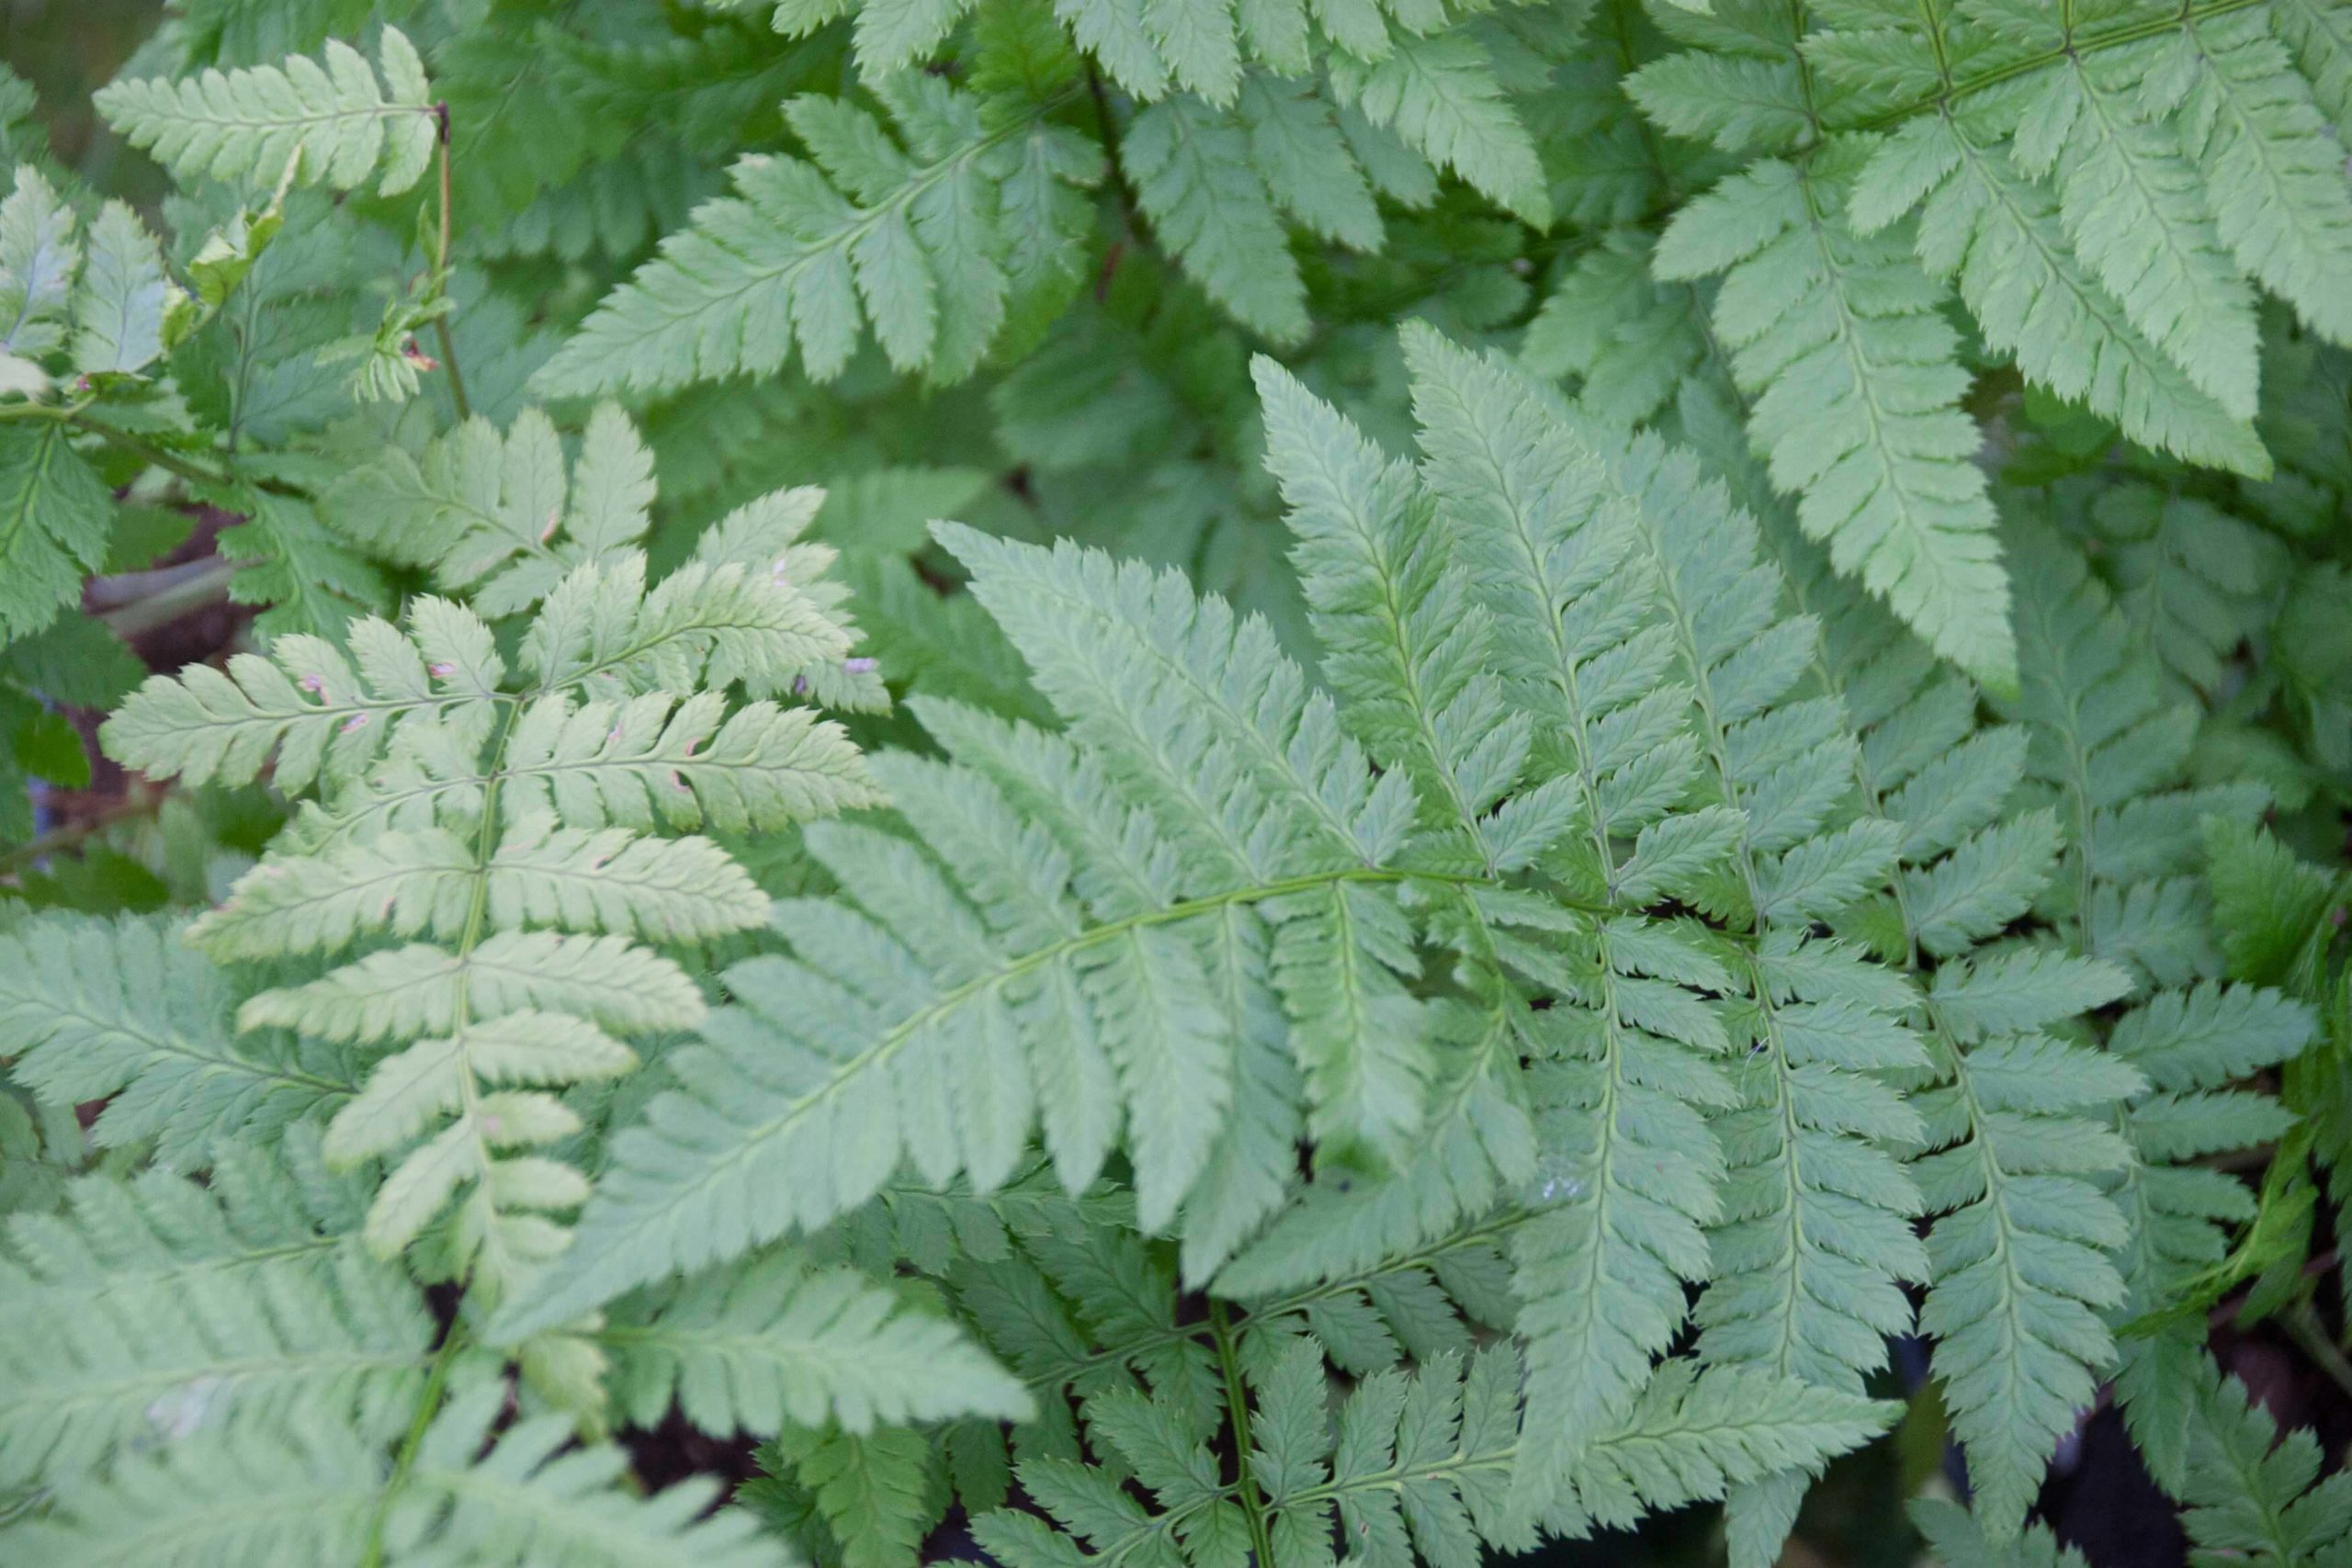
249 125
1438 93
155 1310
2021 1251
1192 176
1857 382
485 512
451 825
318 1491
2281 204
751 1348
121 1011
1602 1270
921 243
1997 236
2135 211
2250 1495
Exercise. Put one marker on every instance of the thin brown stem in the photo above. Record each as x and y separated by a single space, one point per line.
441 276
30 853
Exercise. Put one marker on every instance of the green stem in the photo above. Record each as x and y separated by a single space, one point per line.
1237 1401
148 452
428 1404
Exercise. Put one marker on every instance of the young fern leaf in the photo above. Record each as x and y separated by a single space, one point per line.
1404 646
1816 1236
1995 236
249 125
926 244
1256 850
775 1343
533 928
494 518
1856 384
2135 211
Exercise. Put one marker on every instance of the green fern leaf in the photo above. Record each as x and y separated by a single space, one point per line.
1856 384
121 1010
251 124
916 241
55 517
752 1349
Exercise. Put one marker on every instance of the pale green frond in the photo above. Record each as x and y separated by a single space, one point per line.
246 125
2022 1246
304 711
1439 93
1601 1268
409 990
152 1311
1403 647
2136 213
495 518
1857 385
1193 178
654 759
1698 1432
2320 37
702 625
318 1490
1996 235
754 1348
2280 203
663 890
919 242
124 1011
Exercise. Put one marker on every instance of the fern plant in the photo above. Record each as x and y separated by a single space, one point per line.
1144 782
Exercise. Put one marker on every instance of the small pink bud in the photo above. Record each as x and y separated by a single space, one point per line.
357 721
554 518
442 671
859 666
